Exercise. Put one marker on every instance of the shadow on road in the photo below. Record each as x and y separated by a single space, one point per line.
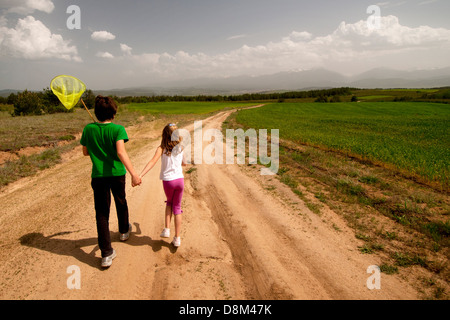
73 248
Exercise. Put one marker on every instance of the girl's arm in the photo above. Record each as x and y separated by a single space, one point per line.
152 162
123 156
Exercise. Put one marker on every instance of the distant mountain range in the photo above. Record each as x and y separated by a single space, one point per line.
297 80
289 81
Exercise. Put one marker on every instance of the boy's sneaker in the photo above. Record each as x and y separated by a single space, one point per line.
107 261
165 233
125 236
176 241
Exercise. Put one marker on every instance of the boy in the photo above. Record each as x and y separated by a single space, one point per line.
104 142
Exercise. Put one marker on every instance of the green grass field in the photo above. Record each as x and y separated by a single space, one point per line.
412 136
185 107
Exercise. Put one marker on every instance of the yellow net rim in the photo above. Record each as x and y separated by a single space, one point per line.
66 76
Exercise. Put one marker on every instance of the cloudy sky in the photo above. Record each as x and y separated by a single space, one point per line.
122 44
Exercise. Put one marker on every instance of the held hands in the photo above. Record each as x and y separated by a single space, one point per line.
147 168
136 181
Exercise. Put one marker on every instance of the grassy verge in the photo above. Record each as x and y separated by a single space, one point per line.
29 165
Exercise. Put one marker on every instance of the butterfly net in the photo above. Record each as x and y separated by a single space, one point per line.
68 89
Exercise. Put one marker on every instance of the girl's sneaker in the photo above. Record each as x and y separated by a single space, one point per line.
176 241
165 233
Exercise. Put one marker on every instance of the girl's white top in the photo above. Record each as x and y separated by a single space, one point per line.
171 168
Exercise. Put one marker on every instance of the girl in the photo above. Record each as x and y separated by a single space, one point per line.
171 154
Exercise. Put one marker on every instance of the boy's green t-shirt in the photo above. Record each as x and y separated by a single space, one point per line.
100 140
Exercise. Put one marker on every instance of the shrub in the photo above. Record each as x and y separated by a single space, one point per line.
51 102
28 103
321 99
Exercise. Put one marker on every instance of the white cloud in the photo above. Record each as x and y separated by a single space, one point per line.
351 48
3 21
105 55
427 2
31 39
27 6
238 36
390 35
298 36
389 4
125 49
41 5
102 36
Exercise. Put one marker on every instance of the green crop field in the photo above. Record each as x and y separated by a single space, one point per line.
184 107
411 136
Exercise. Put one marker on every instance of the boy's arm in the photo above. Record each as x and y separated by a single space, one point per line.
123 156
85 151
152 162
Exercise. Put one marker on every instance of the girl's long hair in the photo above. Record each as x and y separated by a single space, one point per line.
166 141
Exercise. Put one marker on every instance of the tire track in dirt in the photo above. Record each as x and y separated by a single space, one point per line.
256 280
267 259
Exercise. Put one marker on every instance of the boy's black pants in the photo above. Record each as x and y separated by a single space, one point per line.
102 198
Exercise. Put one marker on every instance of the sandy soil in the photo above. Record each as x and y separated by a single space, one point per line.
240 239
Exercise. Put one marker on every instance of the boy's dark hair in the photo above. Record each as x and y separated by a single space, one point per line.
105 108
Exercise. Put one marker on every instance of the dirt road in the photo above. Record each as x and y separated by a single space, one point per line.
245 236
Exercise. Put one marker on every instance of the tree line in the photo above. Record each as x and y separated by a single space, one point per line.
45 102
280 96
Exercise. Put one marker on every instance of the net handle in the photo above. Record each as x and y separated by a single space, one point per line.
88 110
